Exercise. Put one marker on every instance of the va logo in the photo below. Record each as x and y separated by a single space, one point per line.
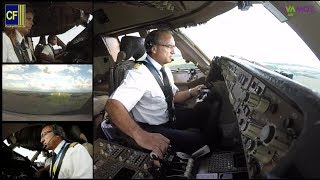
290 9
15 15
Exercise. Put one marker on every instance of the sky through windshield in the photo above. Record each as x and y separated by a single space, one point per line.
255 35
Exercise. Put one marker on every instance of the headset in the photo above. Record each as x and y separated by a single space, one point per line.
150 40
149 43
152 37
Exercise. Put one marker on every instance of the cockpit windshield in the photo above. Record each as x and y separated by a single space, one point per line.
258 36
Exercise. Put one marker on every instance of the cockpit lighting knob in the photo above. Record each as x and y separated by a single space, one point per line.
262 153
251 130
274 138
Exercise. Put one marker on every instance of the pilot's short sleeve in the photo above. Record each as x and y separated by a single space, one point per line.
171 79
77 164
46 50
175 89
8 53
131 89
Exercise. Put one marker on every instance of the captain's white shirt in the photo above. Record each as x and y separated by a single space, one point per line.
8 53
76 164
140 93
47 50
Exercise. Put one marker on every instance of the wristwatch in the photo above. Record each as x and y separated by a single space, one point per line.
190 93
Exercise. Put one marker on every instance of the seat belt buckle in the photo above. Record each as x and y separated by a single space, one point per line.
172 120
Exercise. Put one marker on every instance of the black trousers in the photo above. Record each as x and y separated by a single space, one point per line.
182 138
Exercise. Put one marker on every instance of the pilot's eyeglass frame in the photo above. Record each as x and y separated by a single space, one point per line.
45 133
167 46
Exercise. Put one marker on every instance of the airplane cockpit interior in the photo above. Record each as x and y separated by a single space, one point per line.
267 123
264 132
71 22
262 107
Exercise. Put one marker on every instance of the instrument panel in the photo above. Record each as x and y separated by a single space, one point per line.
116 161
269 116
278 124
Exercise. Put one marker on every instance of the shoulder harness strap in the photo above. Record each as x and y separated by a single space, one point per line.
60 161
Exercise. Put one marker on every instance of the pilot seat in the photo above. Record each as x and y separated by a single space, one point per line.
131 51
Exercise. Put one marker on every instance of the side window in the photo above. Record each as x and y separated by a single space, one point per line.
113 46
40 161
179 63
36 41
131 34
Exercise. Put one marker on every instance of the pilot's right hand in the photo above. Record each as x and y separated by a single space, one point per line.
155 142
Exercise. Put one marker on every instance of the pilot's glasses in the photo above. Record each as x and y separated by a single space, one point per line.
45 133
168 46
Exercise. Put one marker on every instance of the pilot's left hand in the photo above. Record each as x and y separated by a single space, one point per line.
197 90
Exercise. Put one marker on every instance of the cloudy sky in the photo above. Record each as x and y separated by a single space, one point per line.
47 78
254 34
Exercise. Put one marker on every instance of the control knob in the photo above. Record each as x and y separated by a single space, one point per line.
274 138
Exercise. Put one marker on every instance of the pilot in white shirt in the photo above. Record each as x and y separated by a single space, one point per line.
48 55
77 163
151 127
47 50
17 34
8 53
141 93
75 160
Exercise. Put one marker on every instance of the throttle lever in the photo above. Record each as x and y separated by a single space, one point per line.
154 156
157 170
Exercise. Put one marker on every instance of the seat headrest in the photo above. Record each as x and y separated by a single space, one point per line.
132 46
42 40
121 56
